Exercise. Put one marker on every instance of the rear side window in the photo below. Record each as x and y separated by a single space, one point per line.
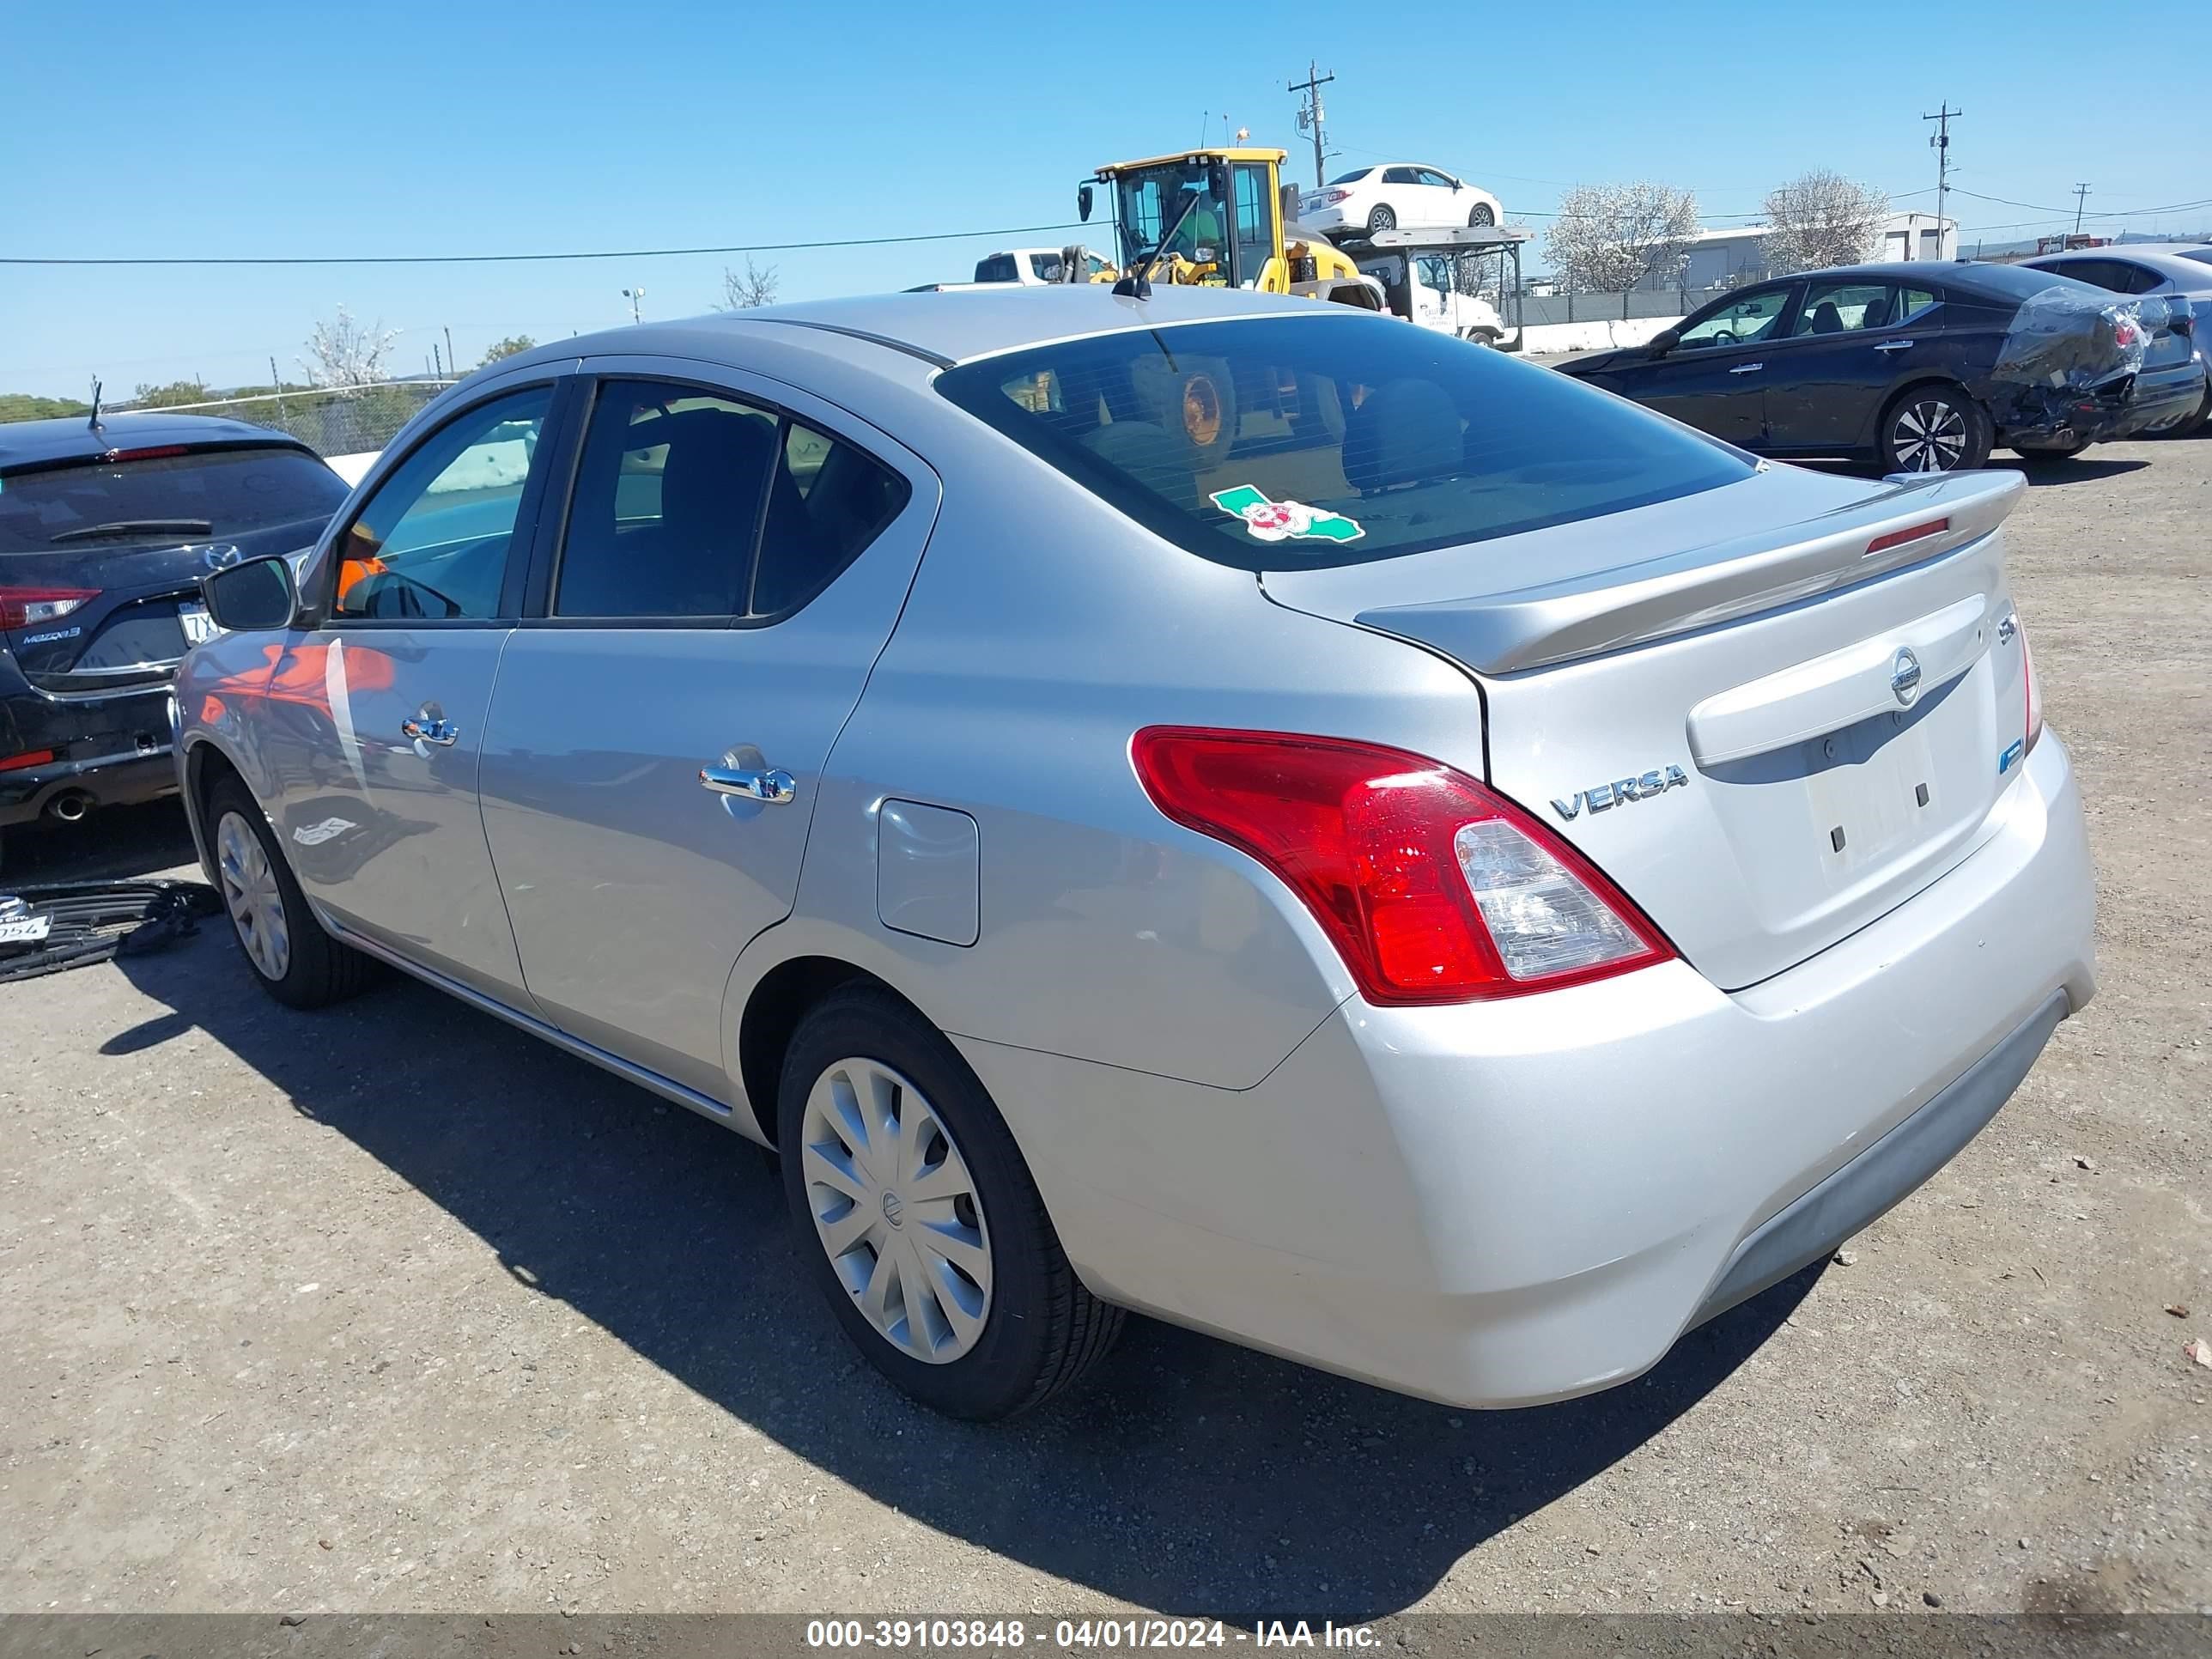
199 494
695 504
1297 441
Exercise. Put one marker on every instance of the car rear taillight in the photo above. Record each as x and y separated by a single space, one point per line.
26 607
2034 692
1331 198
1900 538
1431 887
29 758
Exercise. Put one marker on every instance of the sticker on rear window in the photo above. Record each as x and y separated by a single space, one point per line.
1279 521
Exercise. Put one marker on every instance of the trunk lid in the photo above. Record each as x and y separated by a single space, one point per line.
132 629
1771 713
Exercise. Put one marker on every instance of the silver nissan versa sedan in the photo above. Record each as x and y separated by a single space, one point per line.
1211 804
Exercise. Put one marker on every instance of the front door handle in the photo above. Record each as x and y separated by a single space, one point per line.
771 783
1894 345
1747 368
443 732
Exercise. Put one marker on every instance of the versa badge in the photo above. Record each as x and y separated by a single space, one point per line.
1601 796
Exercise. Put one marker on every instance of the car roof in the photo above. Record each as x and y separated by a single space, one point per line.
72 437
1966 275
948 326
2194 276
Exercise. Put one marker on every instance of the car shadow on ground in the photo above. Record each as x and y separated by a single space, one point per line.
1187 1474
117 843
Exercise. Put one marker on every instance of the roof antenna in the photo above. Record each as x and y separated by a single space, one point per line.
94 422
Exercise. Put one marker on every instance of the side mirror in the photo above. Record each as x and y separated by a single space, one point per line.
1665 341
1083 202
254 597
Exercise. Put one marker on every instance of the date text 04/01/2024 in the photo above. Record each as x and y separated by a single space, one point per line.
1080 1635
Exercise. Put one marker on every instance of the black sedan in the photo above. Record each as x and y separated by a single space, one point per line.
104 533
1919 366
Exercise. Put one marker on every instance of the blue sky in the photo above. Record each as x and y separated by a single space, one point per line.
409 128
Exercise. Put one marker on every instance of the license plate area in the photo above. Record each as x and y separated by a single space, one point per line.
199 626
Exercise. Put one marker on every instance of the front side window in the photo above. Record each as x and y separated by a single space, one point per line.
1436 181
1255 238
1329 439
696 505
1045 267
1738 323
1842 308
432 543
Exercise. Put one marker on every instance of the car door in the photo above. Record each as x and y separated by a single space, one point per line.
733 556
1440 198
374 719
1401 188
1714 377
1847 344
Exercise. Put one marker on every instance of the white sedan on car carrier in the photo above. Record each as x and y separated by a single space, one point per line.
1402 195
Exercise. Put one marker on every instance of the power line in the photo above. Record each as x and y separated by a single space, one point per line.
532 258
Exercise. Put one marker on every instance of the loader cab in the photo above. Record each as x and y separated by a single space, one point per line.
1231 235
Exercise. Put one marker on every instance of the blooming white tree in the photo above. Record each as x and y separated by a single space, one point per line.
343 352
1821 218
1608 238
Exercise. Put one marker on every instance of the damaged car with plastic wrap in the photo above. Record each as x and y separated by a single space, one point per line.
1917 366
1198 802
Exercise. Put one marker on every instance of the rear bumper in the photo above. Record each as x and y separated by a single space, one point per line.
1504 1204
2065 421
108 751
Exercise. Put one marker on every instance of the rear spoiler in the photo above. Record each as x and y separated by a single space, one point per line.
1915 520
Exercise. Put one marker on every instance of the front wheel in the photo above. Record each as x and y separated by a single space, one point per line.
920 1219
1934 428
296 962
1383 218
1482 214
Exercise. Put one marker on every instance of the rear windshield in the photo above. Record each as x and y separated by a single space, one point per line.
233 491
1334 438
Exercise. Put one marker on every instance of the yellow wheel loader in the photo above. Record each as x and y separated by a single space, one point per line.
1218 217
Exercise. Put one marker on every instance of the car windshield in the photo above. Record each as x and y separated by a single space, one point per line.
1330 439
232 490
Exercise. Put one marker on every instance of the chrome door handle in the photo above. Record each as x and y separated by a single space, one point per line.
1894 345
443 734
772 784
1747 368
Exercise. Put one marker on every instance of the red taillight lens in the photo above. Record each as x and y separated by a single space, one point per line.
1898 538
30 757
26 607
1431 887
1331 198
2034 692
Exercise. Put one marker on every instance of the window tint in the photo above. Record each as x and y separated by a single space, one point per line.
233 491
1842 308
667 500
1045 267
1911 304
433 540
1329 438
1740 322
1352 178
999 268
1399 176
828 502
1431 176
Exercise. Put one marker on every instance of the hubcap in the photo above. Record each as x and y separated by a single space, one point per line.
1931 436
896 1210
250 891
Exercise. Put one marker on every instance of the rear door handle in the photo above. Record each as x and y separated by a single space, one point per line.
443 732
1894 345
772 784
1747 368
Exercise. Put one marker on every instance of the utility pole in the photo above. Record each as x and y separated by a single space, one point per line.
1940 142
1310 113
452 362
2080 201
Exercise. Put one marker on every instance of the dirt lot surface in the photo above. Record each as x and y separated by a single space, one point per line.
393 1307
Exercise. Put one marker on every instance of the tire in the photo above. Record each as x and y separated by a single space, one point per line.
1482 214
1020 1339
303 967
1382 219
1933 428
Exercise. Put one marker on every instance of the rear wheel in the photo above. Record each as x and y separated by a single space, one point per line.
919 1218
296 962
1482 214
1934 428
1382 219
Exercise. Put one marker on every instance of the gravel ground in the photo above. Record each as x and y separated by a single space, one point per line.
393 1307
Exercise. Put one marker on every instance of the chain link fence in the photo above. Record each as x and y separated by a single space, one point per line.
334 420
